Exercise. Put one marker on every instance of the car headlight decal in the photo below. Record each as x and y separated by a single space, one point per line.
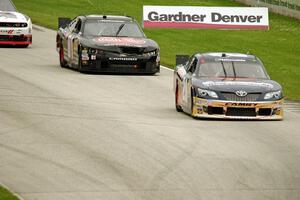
158 56
207 93
273 95
151 53
92 51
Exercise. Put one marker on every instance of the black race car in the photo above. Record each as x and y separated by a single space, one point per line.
100 43
226 85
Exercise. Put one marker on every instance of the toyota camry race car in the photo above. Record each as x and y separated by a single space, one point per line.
15 29
227 85
113 44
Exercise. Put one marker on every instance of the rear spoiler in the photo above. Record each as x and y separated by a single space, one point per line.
63 22
182 59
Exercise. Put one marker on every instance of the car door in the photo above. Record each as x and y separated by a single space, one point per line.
187 83
67 40
74 42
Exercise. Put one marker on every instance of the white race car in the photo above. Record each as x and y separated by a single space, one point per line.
15 29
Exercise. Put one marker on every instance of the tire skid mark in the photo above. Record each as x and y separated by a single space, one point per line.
171 167
58 165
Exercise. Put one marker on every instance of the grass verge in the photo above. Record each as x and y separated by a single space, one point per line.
6 195
279 47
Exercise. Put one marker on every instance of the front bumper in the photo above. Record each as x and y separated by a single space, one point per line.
218 109
23 39
114 63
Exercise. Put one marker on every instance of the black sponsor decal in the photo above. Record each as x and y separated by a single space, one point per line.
180 17
217 17
123 59
241 104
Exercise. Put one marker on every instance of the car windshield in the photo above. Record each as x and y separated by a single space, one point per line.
236 69
112 29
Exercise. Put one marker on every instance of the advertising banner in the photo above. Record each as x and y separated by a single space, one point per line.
206 17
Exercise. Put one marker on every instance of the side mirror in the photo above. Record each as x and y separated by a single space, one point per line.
63 22
182 59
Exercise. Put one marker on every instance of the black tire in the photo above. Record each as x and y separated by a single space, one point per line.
151 74
62 61
79 67
23 46
178 107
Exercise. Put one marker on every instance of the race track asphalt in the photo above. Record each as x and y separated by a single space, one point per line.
71 136
7 5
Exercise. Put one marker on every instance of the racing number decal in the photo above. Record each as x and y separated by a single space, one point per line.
181 72
70 46
9 32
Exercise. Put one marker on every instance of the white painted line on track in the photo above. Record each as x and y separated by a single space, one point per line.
167 68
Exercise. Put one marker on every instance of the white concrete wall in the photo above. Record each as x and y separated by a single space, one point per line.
275 8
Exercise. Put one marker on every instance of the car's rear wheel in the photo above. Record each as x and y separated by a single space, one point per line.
23 46
178 107
62 61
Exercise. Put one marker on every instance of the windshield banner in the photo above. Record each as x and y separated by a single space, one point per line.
206 17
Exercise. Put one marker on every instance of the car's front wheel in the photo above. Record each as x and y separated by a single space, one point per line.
192 103
79 62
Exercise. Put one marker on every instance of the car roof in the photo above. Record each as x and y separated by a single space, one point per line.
227 56
109 17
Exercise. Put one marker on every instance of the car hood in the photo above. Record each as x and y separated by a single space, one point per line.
114 43
235 84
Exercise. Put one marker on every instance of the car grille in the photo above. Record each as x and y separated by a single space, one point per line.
12 38
245 112
233 97
132 50
7 24
121 67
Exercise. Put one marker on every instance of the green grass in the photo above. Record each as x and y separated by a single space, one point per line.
279 47
6 195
